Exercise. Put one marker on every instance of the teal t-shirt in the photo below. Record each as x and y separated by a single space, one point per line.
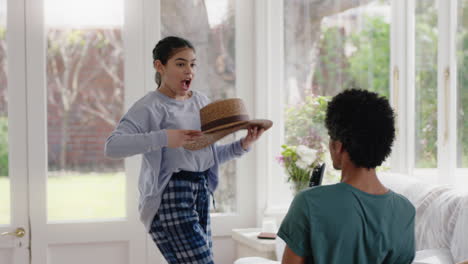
337 224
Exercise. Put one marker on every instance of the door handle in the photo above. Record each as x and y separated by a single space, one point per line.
19 232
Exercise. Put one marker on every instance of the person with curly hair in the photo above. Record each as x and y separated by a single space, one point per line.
358 220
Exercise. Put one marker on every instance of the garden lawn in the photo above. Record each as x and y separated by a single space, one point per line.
75 196
4 201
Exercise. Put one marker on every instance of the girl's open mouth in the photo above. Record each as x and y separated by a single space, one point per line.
186 83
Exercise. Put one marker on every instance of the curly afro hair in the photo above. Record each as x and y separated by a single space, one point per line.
364 123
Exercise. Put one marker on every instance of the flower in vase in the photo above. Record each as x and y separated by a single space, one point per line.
298 162
306 156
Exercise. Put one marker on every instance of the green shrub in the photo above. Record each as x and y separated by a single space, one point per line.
3 146
305 122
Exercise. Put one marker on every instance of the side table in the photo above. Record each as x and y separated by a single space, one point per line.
248 245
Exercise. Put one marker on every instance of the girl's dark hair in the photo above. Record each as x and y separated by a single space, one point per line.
364 122
166 48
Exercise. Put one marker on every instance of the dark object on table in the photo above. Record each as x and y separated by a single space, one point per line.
266 235
317 175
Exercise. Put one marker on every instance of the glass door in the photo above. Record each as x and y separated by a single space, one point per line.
14 229
83 205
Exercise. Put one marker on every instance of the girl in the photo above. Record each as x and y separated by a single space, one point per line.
174 183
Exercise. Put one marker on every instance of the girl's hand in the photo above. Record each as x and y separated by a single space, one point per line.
253 134
177 138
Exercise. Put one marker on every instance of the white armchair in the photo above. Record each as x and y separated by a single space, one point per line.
441 218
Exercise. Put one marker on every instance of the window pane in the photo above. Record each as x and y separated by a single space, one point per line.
212 32
4 149
462 84
426 84
330 47
84 103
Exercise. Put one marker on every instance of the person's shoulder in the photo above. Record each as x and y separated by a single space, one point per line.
146 105
145 99
197 93
321 200
323 190
404 203
200 97
329 193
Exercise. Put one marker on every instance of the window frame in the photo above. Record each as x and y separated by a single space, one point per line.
447 96
446 171
269 26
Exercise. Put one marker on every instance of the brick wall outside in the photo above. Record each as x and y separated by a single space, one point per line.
85 146
87 133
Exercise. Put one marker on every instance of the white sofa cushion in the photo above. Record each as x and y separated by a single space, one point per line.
433 256
255 260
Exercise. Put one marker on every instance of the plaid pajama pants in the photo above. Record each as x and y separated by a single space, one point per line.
181 227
